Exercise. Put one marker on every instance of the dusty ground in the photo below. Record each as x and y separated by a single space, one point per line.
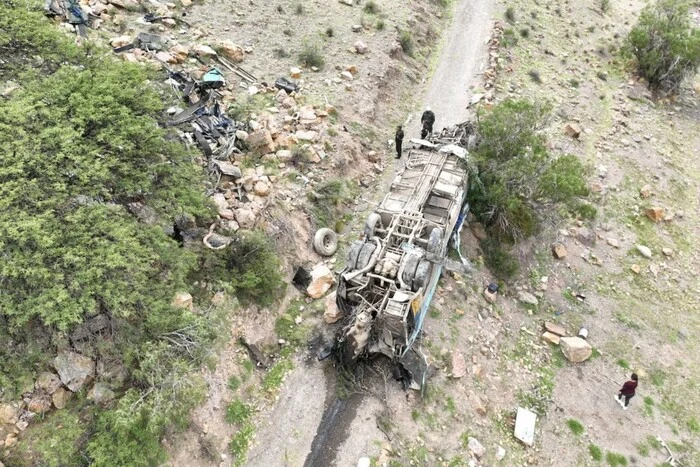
646 321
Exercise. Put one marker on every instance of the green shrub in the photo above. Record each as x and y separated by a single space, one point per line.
665 45
328 201
513 179
380 25
595 452
253 267
240 443
510 14
54 441
299 9
535 76
234 382
575 426
329 31
615 460
371 8
500 262
238 412
311 55
604 5
406 41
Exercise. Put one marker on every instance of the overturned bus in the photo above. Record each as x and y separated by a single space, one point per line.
390 277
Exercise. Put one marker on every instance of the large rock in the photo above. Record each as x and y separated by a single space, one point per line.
572 130
233 52
527 298
245 218
551 338
586 236
182 300
9 413
476 448
60 398
656 214
261 188
261 140
644 251
120 41
321 281
74 369
575 349
101 394
48 382
39 404
559 250
203 50
361 48
555 328
459 365
332 313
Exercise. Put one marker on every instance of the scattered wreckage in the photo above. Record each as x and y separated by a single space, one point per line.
391 275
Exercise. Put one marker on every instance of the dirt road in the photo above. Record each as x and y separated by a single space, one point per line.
288 436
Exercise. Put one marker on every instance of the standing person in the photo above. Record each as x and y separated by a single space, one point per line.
427 120
628 390
399 141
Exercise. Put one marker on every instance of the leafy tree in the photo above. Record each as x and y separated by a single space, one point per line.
514 179
665 45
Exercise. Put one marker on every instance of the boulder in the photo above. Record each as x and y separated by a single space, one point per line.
245 218
261 188
489 296
551 338
9 413
284 155
346 75
667 251
305 135
527 298
586 236
644 251
74 369
185 3
476 448
555 328
48 382
572 130
613 242
203 50
39 404
228 168
60 398
182 300
500 453
321 281
332 313
295 72
361 48
558 250
166 57
645 191
261 141
575 349
101 394
120 41
635 268
459 365
233 52
656 214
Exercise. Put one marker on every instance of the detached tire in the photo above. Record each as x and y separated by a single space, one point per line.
435 241
325 242
422 276
373 220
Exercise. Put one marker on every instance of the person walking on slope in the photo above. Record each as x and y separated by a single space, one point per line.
427 120
628 390
399 141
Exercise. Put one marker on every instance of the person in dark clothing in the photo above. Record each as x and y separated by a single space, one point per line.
628 390
427 120
399 141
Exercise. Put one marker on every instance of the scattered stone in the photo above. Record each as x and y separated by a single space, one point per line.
559 250
295 72
361 48
48 382
74 369
645 191
459 365
586 236
346 75
572 130
525 426
667 251
355 27
305 135
489 296
500 453
644 251
346 2
654 269
527 298
656 214
321 281
101 394
228 168
476 448
182 300
261 188
332 313
203 50
555 328
575 349
120 41
261 140
60 398
9 413
166 57
613 242
186 3
635 268
245 218
39 404
551 338
10 440
233 52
